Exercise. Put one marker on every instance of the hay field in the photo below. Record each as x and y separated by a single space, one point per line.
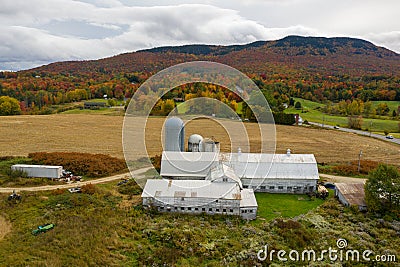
20 135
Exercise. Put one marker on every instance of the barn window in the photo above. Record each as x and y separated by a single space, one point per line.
280 187
245 186
262 187
272 187
217 210
289 188
182 208
189 208
182 198
210 209
231 210
203 209
196 208
224 210
225 179
251 211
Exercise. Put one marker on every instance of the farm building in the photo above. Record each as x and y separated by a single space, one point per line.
94 105
43 171
351 194
207 181
187 165
273 173
219 194
276 173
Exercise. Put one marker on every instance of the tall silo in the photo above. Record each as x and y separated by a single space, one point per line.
174 134
194 143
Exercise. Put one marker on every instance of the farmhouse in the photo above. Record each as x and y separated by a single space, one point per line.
351 194
94 105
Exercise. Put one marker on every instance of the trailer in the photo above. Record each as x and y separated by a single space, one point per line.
43 171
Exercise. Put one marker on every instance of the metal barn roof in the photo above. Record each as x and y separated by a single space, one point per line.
187 164
190 189
248 198
273 166
353 193
221 171
36 166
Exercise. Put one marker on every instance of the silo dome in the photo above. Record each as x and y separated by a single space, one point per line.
194 143
174 134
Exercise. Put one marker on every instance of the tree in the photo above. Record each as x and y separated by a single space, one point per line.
394 114
354 122
382 190
297 105
9 106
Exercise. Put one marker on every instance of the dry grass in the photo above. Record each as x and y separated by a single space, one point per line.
20 135
5 227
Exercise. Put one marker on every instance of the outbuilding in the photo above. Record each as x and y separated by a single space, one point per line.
351 194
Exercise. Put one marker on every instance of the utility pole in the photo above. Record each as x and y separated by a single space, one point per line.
359 161
370 129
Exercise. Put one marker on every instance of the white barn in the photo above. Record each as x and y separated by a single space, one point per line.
220 193
187 165
276 173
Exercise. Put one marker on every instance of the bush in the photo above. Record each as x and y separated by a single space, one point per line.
283 118
89 189
91 165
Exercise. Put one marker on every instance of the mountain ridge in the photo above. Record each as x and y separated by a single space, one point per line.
334 55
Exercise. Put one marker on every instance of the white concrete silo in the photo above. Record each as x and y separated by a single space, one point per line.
174 134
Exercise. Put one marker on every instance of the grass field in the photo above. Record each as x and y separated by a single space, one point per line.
271 206
20 135
315 115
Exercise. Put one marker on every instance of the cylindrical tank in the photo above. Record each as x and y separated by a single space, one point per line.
174 134
209 145
194 143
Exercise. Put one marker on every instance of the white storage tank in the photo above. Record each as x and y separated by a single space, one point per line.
209 145
43 171
194 143
174 135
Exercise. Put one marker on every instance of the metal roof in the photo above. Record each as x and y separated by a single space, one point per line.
35 166
190 189
248 198
187 164
273 166
353 193
221 171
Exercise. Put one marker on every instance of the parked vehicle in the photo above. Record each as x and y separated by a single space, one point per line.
75 190
14 196
43 228
389 136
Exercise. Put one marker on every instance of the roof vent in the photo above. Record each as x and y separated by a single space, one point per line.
288 152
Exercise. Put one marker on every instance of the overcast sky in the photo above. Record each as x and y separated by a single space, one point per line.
38 32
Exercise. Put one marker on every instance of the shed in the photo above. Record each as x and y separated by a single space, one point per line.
351 194
43 171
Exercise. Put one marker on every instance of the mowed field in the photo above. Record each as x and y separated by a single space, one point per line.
20 135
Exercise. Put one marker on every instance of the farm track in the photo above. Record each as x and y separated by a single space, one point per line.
66 186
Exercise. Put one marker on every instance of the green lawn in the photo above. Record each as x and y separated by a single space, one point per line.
393 105
272 206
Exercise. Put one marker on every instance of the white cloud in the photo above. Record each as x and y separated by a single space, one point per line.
98 28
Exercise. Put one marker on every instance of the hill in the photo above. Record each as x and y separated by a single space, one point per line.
317 54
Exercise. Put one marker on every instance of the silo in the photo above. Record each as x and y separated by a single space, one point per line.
174 134
194 143
209 145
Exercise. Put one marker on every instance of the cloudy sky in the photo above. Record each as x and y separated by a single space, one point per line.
38 32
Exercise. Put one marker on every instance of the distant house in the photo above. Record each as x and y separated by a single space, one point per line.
94 105
351 194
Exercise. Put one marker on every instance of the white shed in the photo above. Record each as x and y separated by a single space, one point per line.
43 171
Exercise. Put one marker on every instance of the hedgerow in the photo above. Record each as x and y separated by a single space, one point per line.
90 165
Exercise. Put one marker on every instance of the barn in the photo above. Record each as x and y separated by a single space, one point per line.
351 195
220 193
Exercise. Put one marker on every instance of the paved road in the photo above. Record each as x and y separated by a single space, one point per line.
65 186
378 136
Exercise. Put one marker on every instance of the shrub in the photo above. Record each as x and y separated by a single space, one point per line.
91 165
89 189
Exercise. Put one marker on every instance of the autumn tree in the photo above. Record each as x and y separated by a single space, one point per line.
354 122
9 106
382 190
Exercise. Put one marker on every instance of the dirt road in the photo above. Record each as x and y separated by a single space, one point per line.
342 179
65 186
